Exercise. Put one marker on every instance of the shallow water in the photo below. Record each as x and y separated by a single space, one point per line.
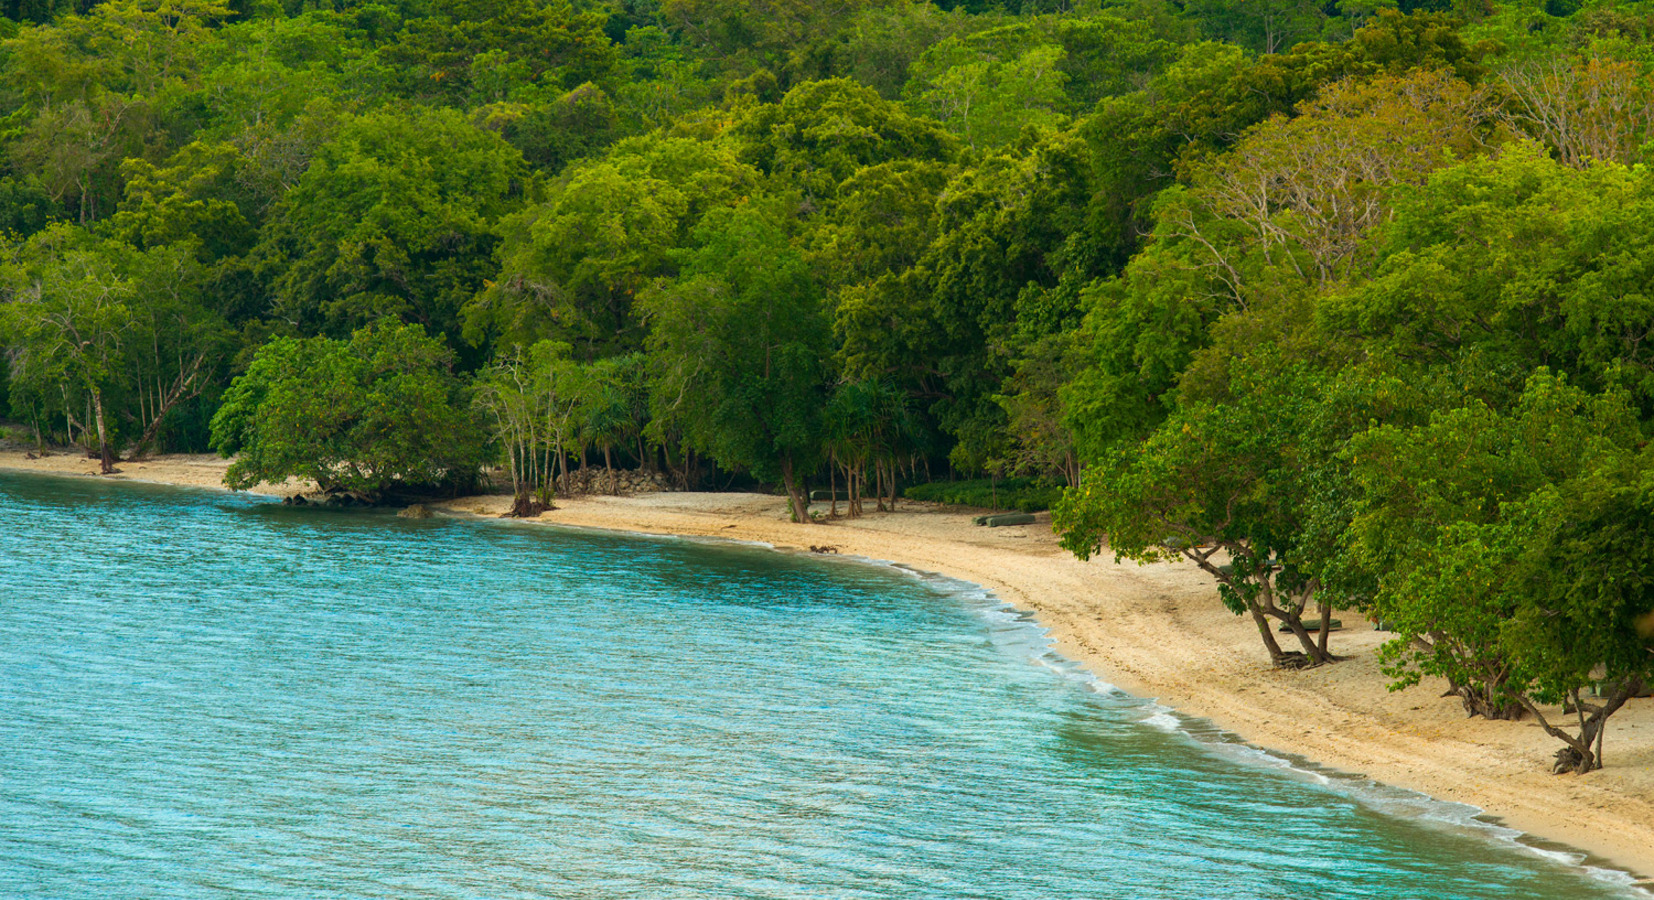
208 696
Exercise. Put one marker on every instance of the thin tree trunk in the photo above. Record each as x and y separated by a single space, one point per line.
1325 609
182 389
106 459
1267 632
797 501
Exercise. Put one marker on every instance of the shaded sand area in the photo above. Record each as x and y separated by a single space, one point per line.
1159 631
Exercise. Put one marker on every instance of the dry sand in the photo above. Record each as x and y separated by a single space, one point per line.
1159 631
188 470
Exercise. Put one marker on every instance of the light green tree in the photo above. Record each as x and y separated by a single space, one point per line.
68 317
572 267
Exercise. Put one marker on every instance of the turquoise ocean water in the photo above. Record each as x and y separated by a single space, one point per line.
211 696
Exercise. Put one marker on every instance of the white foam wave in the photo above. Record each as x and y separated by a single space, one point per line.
1164 721
1024 631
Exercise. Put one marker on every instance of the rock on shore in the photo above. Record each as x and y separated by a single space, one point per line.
598 480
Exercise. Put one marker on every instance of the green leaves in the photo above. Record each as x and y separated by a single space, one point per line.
987 99
572 266
1451 513
489 50
395 216
378 411
822 132
738 346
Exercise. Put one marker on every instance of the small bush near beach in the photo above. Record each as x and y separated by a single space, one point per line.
1023 494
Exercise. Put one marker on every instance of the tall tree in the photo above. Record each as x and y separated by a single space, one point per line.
69 316
464 44
394 217
573 265
533 398
739 345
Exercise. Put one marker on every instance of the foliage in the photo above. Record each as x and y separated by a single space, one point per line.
1466 513
1222 483
574 264
378 411
739 348
109 340
1019 493
1344 302
392 218
489 50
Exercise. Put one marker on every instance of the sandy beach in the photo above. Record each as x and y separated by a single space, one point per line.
1159 631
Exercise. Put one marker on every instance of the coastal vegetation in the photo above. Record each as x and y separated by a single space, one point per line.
1346 303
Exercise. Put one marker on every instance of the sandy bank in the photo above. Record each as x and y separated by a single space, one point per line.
188 470
1159 631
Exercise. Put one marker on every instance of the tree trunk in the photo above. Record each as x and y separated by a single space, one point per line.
1584 753
1315 653
797 500
1292 615
1479 701
1325 610
106 459
1315 647
1267 632
183 387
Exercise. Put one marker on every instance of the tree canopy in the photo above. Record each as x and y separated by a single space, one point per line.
378 411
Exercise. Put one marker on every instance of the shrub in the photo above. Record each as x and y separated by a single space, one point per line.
1024 494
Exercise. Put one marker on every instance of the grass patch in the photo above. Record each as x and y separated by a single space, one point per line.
1023 494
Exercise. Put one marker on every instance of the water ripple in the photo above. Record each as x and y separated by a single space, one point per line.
208 696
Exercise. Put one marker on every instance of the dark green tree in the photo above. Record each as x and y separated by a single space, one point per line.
494 46
738 345
394 217
374 413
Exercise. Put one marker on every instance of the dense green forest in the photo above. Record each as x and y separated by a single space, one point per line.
1349 303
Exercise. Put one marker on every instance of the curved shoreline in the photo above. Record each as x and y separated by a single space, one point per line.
1381 795
1158 632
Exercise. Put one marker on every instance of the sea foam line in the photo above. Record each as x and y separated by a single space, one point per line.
1387 799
